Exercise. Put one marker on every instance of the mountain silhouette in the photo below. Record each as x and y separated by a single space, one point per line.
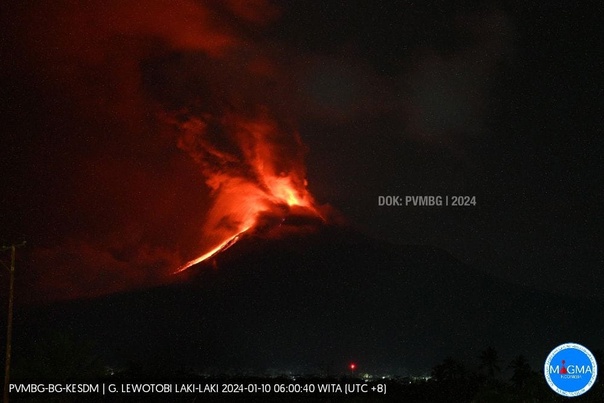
315 300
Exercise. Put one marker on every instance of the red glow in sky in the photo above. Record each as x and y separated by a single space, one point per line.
129 195
263 174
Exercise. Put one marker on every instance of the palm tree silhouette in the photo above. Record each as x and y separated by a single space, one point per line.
522 371
489 362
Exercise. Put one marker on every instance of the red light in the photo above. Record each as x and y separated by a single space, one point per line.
352 366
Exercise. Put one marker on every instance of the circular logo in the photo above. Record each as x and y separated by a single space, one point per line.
570 369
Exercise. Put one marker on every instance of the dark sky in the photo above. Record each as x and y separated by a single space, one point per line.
496 100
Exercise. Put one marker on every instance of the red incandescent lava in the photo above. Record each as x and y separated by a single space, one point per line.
262 175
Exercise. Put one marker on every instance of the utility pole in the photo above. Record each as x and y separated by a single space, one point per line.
9 321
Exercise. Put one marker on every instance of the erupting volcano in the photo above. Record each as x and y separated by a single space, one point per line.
259 181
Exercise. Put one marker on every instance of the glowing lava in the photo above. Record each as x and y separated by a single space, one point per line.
222 247
263 176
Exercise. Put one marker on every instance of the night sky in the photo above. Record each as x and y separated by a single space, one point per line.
497 100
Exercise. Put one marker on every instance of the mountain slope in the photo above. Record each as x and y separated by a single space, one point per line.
314 301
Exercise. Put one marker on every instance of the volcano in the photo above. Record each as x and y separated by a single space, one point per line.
313 301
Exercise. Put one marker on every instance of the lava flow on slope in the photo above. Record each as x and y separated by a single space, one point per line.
259 181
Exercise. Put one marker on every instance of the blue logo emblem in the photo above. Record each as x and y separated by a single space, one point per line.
570 369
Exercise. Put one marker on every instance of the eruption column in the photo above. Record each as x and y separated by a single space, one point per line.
263 175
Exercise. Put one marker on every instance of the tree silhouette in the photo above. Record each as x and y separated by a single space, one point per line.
489 362
449 370
522 372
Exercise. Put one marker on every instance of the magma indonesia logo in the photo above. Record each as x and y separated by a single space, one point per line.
570 369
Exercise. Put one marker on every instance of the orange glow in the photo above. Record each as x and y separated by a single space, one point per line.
222 247
265 176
